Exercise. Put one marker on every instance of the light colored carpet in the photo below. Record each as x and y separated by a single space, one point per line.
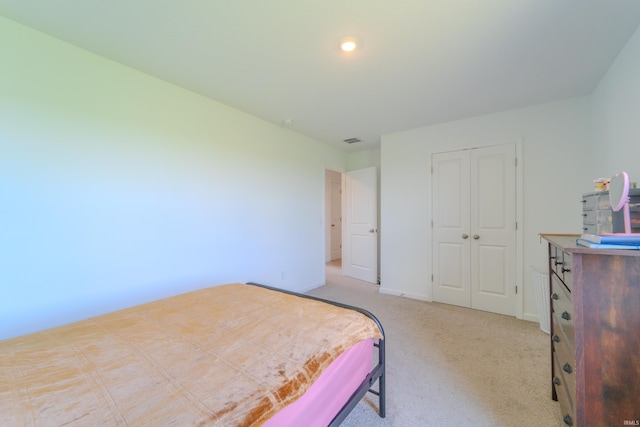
449 365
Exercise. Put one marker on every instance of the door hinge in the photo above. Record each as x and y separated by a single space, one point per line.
431 169
432 277
516 225
516 289
516 162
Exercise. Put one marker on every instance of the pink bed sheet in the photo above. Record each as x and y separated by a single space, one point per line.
324 399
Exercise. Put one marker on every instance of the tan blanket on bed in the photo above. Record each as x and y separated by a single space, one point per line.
230 355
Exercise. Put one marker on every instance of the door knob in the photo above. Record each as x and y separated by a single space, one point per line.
373 230
465 236
476 237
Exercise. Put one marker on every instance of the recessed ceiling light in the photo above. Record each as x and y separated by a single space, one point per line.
349 44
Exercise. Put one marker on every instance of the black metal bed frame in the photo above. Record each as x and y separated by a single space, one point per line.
376 374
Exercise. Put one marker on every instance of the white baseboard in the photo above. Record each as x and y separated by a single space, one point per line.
420 297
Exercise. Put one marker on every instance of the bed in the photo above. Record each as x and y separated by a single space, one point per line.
229 355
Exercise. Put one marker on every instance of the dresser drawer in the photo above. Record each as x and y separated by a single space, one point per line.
562 344
562 310
589 217
565 355
588 201
564 397
556 261
567 270
598 200
561 263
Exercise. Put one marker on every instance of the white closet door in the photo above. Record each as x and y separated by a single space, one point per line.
451 249
493 224
474 228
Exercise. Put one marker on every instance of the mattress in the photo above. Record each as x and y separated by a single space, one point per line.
230 355
324 399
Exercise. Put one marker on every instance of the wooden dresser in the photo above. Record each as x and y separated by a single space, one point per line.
595 333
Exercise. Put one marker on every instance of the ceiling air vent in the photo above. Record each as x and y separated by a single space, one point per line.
351 140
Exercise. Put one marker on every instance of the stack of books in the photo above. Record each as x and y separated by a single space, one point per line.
610 241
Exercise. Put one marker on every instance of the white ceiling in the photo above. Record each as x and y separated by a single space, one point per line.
421 62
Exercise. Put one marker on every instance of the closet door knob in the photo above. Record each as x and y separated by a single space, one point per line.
465 236
476 237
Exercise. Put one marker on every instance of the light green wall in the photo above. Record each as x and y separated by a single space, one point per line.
119 188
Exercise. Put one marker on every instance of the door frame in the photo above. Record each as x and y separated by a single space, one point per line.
327 210
519 202
327 216
520 229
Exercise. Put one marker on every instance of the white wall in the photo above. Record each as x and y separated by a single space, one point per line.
616 116
364 159
555 146
118 188
567 145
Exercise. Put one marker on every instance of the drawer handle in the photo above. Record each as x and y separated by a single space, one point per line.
566 315
552 257
556 380
558 263
555 338
565 269
567 368
567 420
555 296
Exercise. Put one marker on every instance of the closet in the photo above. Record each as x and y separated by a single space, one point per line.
474 228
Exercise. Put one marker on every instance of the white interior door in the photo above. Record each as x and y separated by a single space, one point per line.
493 223
451 249
474 228
360 235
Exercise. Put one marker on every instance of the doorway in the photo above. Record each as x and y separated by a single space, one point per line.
351 224
333 216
